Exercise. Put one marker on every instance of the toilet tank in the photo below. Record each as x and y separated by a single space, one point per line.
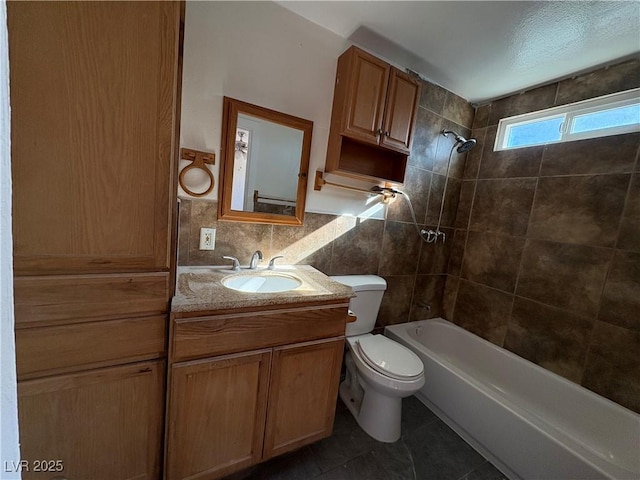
369 290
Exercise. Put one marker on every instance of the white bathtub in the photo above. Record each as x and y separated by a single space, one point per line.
529 422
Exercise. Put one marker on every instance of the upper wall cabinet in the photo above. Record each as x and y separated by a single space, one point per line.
374 110
93 96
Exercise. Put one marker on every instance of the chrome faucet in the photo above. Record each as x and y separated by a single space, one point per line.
431 236
255 258
272 262
236 263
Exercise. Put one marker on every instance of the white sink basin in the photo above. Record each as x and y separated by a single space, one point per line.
262 283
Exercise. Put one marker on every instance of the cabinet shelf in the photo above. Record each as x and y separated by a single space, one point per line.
361 160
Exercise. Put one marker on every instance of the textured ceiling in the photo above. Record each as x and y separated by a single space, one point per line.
485 50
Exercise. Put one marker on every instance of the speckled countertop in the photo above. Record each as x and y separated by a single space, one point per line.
201 289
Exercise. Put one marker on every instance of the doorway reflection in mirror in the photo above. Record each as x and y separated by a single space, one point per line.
240 178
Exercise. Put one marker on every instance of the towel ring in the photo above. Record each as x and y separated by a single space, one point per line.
199 160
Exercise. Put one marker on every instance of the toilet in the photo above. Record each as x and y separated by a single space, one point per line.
379 371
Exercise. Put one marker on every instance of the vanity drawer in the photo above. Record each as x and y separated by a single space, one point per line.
222 334
52 350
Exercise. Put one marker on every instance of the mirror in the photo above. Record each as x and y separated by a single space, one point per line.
264 164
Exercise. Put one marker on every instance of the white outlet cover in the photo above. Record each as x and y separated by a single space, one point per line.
207 238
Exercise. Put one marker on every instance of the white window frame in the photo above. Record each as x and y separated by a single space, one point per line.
569 113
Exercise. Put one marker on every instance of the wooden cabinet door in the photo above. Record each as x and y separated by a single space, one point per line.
216 415
399 117
102 424
93 104
302 395
365 96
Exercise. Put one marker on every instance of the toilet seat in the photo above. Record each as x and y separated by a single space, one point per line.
389 358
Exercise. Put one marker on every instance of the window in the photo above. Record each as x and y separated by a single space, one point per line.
597 117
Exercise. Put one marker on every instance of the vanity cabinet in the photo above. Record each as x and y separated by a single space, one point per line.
233 410
217 414
302 396
374 111
95 101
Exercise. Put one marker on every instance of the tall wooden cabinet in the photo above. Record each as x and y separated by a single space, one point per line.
95 90
93 119
374 111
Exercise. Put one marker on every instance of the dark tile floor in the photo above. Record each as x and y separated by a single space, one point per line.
428 449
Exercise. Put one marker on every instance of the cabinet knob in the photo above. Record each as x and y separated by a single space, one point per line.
380 132
386 134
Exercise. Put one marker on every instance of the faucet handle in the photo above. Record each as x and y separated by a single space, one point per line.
272 262
236 263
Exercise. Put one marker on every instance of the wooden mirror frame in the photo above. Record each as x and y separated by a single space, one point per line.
231 109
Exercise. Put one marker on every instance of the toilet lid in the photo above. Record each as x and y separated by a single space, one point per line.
389 358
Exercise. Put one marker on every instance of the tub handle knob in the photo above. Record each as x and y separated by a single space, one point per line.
425 305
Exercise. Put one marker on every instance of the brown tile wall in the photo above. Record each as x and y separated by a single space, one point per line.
545 257
415 271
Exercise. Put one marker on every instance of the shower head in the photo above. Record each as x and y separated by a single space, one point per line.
465 145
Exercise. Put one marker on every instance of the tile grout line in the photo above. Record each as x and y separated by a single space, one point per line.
524 247
539 239
606 278
570 175
555 97
596 319
422 245
615 245
413 463
334 237
473 201
384 231
467 229
555 307
413 294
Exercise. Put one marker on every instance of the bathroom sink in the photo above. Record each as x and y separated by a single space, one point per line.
262 283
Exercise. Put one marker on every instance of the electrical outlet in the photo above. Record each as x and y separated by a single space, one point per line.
207 238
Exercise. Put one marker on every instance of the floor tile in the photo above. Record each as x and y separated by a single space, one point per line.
439 453
486 471
415 415
396 460
296 465
363 467
427 450
347 442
